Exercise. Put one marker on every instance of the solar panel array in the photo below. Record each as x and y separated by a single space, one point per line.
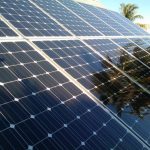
72 76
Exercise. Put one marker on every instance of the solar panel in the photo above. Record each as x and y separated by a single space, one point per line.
29 20
100 78
137 50
142 43
96 22
72 76
135 65
135 29
147 40
5 31
100 13
41 108
67 18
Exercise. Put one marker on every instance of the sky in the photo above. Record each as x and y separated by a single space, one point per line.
144 7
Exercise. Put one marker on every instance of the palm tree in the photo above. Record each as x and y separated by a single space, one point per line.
129 11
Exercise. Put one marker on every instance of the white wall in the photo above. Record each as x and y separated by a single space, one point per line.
91 2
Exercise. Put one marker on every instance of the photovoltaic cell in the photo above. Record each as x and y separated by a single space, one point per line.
106 83
141 52
147 40
37 111
67 18
143 43
124 61
100 13
29 20
5 30
90 18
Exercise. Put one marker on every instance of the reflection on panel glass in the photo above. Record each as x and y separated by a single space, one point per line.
41 109
29 20
143 43
112 88
124 61
147 41
138 52
128 101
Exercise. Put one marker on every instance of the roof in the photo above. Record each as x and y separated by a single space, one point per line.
91 2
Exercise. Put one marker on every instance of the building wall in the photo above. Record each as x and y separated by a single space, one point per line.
91 2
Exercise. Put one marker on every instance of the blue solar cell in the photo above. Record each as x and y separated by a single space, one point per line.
5 31
6 75
5 96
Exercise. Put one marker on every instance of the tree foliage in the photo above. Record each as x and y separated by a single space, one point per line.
130 11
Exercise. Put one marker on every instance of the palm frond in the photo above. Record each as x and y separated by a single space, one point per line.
130 11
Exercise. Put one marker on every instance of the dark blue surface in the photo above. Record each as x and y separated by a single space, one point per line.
6 31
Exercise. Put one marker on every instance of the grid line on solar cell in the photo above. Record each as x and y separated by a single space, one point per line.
29 20
34 115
